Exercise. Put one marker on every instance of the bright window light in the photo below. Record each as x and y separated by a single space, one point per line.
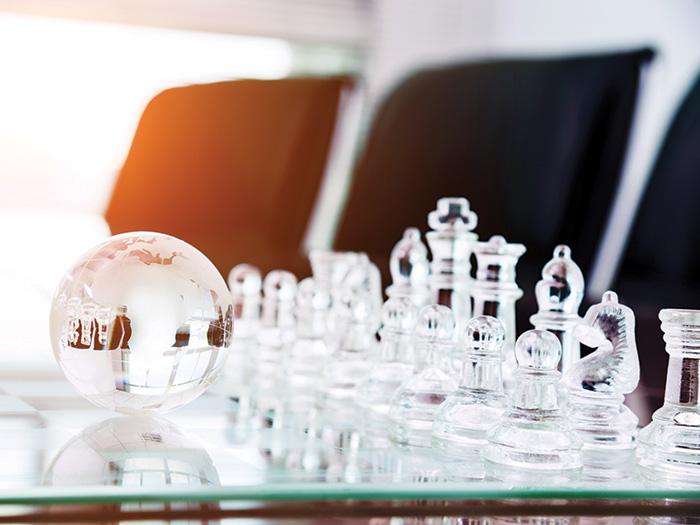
72 92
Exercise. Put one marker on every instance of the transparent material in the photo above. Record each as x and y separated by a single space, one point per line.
670 445
415 401
277 332
410 268
451 240
245 283
393 364
141 323
534 433
57 448
469 412
559 294
352 360
596 385
495 290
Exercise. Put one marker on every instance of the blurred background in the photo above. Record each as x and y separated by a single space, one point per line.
257 130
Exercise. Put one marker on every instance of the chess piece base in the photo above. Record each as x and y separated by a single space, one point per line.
525 440
414 405
602 423
671 442
465 417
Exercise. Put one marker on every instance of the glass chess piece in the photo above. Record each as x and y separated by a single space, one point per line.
410 269
450 240
351 362
596 385
393 364
366 279
495 291
559 294
304 358
534 434
478 403
415 402
141 323
277 331
669 446
245 283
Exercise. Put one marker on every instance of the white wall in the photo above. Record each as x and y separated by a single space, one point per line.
407 34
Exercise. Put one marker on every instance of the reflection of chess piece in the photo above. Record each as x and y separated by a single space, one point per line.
559 295
670 444
415 402
451 241
495 290
394 363
410 269
597 384
533 433
468 413
121 330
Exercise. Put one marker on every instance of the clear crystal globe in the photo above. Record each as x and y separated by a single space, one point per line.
141 323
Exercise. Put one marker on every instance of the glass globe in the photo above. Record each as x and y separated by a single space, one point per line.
141 323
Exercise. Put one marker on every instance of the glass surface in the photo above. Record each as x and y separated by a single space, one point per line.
56 447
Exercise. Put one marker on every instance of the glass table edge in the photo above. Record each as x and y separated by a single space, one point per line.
355 493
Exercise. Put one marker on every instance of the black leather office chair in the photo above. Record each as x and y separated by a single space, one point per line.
660 266
536 145
231 167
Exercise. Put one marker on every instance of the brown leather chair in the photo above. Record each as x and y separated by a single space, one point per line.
232 168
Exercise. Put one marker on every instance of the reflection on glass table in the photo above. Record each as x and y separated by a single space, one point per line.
57 449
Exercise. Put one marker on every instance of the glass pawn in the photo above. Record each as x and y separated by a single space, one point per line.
495 291
415 402
559 294
393 364
410 269
670 444
533 433
303 359
276 332
596 385
450 242
350 363
478 403
245 283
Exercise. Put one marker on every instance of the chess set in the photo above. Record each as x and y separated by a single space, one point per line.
323 380
439 365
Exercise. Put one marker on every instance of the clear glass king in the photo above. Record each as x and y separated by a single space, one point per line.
670 444
495 290
596 385
559 294
451 241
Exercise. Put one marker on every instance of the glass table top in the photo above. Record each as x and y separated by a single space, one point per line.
58 449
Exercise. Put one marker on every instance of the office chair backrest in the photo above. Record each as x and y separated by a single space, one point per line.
231 167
